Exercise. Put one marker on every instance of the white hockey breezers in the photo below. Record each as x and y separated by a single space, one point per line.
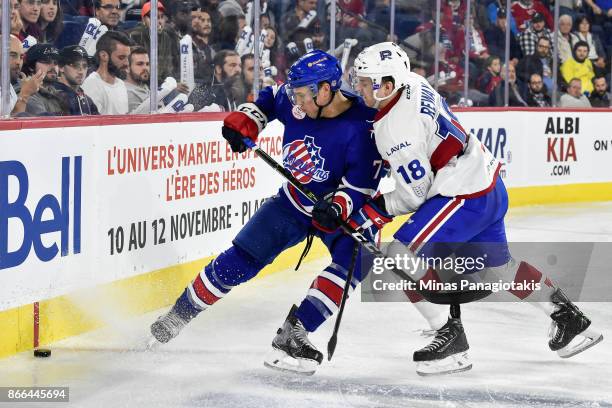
581 342
279 360
455 363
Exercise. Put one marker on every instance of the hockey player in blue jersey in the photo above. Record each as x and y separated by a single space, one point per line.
451 184
328 146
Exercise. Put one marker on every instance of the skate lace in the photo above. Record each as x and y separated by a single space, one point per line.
300 335
425 332
555 332
442 337
174 322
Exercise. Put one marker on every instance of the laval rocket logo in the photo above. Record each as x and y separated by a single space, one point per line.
303 159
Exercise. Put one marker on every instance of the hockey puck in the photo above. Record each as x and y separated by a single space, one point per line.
42 353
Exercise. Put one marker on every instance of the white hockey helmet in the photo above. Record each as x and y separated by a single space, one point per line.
381 60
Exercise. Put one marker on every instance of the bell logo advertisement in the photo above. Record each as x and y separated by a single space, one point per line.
48 225
561 144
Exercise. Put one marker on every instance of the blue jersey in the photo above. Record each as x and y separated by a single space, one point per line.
326 154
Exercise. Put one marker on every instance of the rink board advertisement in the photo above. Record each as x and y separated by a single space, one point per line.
87 205
82 206
546 148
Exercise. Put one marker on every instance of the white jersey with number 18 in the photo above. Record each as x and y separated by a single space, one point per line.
428 150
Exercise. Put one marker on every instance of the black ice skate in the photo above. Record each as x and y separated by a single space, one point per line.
291 349
570 331
447 352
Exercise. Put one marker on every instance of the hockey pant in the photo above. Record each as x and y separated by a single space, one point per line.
276 226
465 227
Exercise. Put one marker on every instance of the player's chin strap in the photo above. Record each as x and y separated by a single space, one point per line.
379 100
321 107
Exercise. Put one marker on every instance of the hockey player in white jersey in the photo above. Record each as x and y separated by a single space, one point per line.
450 182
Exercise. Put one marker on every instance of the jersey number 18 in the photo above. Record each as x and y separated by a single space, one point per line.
416 171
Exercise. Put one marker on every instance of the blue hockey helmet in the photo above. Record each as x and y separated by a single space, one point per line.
310 70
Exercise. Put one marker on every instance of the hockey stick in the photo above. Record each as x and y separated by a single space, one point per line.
438 297
333 340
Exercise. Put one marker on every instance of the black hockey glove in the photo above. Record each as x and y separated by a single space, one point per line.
234 138
329 212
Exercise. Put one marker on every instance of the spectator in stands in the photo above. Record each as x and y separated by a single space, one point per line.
301 22
73 64
203 53
514 90
78 7
491 78
539 63
22 87
352 23
574 98
105 85
181 16
478 50
495 36
51 21
243 89
277 57
528 39
168 52
29 10
137 81
600 98
227 69
108 12
15 60
493 10
231 8
43 57
569 7
524 10
597 53
16 23
537 94
452 15
579 66
564 39
602 14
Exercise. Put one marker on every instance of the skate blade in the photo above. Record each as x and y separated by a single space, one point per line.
281 361
152 344
580 343
456 363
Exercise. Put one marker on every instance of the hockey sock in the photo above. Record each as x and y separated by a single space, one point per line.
230 268
526 275
323 297
436 315
205 290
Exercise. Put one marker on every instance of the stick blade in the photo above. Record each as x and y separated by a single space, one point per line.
331 346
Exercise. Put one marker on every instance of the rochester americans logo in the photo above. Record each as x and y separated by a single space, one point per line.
303 159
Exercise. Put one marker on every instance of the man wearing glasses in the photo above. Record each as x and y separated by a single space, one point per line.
73 70
108 12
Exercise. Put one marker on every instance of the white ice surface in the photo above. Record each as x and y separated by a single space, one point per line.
217 360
